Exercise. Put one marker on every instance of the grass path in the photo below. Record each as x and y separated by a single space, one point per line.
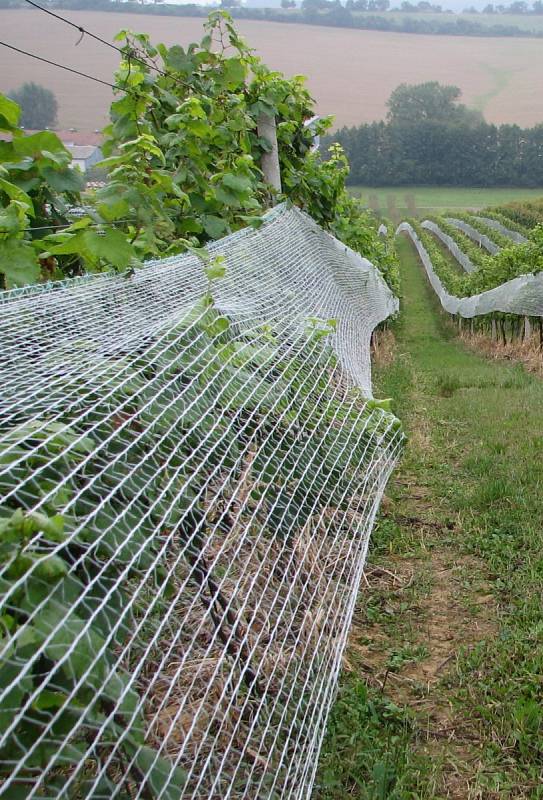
437 199
443 688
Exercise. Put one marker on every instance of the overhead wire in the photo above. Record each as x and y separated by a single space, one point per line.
85 32
90 225
60 66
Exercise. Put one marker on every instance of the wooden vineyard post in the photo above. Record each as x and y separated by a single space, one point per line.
411 205
502 329
270 161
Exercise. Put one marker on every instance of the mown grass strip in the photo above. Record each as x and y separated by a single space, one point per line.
463 518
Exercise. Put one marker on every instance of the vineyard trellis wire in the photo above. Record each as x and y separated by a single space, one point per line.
522 295
190 469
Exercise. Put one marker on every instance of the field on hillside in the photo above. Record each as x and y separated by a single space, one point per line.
397 202
352 72
525 22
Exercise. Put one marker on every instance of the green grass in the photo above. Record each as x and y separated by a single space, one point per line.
481 467
430 199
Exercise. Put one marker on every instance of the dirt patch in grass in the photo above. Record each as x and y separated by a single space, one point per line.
383 347
422 606
443 618
432 612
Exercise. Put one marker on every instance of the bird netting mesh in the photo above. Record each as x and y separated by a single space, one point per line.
190 469
476 236
463 259
515 236
522 295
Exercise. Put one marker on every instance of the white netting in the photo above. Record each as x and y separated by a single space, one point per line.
382 230
188 491
476 236
523 295
464 260
515 236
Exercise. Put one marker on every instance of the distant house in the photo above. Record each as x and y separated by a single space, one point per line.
84 156
84 147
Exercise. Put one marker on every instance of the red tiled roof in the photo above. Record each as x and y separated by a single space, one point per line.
79 137
83 138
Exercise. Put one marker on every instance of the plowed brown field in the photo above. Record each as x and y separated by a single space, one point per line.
351 72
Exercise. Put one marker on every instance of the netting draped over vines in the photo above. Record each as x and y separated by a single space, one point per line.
515 236
463 259
522 295
190 470
474 235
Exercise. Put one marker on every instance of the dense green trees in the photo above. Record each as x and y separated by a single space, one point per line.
410 104
431 139
39 106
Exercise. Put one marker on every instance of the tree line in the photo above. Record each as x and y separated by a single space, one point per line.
317 12
429 138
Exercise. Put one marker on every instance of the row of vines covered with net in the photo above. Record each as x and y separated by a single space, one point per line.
486 266
190 458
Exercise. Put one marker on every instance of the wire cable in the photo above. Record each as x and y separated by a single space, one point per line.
79 28
131 56
60 66
65 225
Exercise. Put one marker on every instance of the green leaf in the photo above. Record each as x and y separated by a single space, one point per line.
64 180
52 526
254 222
190 226
386 404
47 699
10 221
75 642
18 262
111 246
65 243
112 208
10 111
198 127
227 197
9 673
51 568
163 778
215 227
237 183
234 71
216 269
35 144
15 193
178 60
14 792
218 326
